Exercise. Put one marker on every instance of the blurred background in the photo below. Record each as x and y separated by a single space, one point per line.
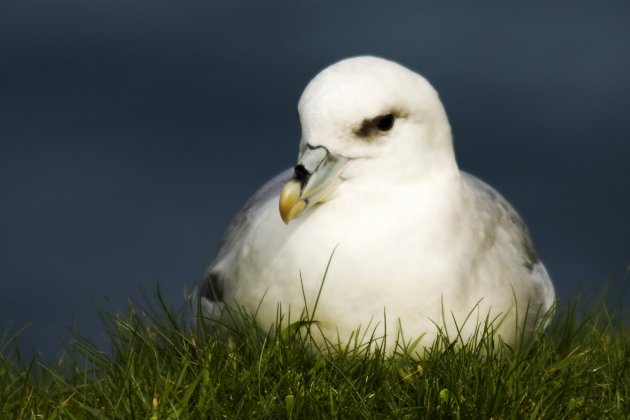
131 133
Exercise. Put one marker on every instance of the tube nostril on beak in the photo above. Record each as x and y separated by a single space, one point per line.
301 174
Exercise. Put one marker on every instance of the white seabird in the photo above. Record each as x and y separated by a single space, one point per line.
418 244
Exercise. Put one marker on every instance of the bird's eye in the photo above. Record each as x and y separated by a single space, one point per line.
385 123
373 126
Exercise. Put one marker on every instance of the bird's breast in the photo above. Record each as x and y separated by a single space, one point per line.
380 252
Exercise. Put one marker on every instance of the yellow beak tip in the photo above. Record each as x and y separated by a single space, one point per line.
284 215
290 205
294 212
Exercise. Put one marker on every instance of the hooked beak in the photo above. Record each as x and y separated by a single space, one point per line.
315 177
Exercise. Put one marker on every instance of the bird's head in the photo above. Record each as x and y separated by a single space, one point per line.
368 119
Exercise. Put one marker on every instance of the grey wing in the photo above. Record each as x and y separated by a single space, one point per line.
208 295
494 207
497 209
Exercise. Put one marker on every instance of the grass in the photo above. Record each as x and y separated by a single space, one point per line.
160 367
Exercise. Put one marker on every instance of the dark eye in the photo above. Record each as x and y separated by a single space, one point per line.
375 126
385 123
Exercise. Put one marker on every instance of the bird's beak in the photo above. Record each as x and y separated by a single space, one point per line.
315 177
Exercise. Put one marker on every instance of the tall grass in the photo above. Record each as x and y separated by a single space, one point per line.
160 367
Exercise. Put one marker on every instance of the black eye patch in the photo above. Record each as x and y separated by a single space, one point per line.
373 126
385 123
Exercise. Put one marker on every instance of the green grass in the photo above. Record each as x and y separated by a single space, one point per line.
158 368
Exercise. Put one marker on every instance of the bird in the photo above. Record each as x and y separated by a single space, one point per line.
376 232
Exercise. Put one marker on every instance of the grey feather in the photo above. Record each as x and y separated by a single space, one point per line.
214 281
497 212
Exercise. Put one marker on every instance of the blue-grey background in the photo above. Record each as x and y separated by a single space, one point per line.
131 132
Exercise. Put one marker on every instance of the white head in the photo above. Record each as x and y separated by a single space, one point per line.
364 117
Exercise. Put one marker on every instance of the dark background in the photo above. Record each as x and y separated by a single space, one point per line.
132 131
